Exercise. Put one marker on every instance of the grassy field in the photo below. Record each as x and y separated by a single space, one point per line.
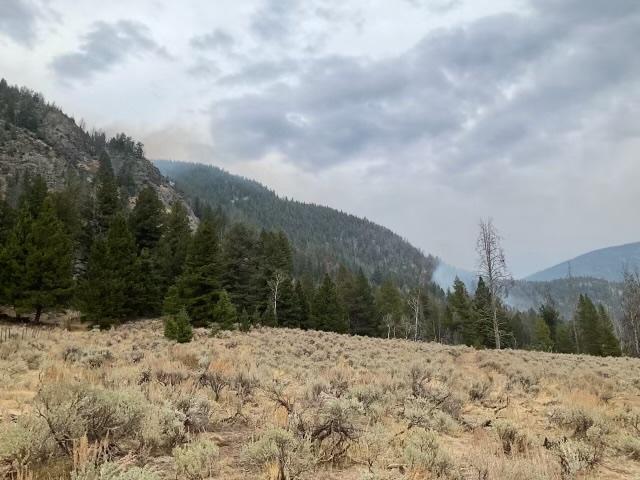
283 404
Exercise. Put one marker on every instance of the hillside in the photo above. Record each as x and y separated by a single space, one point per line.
606 263
322 236
38 138
317 405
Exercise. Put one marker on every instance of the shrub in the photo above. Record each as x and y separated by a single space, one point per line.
72 410
197 412
178 327
423 454
575 418
513 441
291 455
478 390
24 442
576 456
163 428
112 471
196 460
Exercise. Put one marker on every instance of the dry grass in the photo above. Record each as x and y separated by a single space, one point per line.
128 404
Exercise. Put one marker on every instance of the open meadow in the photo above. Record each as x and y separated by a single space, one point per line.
128 404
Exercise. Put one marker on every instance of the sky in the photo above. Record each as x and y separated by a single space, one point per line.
421 115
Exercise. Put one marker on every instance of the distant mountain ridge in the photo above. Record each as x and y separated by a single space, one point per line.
605 263
323 237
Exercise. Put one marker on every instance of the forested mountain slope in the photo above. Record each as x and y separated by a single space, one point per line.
606 263
37 138
323 237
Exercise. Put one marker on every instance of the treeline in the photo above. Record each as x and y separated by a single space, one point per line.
114 264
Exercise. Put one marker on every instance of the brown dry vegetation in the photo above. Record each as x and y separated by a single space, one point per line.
128 404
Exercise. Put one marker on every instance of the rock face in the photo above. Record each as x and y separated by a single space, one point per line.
59 149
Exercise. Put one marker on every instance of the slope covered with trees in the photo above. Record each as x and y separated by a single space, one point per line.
323 238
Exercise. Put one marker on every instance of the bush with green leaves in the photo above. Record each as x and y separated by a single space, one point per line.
163 428
178 327
197 460
292 455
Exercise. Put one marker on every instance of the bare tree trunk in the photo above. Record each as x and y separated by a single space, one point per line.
36 319
496 326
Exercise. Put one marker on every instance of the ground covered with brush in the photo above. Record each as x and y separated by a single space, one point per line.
128 404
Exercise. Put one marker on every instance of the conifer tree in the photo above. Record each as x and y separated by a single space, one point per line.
33 195
13 259
147 295
542 335
107 203
302 309
146 219
609 344
198 286
178 327
244 321
174 243
288 314
240 267
224 312
549 313
588 323
361 308
106 290
564 342
326 310
389 307
463 323
483 315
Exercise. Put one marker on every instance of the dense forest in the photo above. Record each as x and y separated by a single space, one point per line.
323 238
112 250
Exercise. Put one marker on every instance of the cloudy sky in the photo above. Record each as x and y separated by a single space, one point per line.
422 115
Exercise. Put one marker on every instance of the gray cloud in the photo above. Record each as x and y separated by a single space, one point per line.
218 39
436 6
510 86
18 20
104 46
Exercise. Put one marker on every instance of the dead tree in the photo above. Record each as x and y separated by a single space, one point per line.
631 310
275 284
493 269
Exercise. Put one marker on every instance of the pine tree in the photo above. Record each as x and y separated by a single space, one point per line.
288 315
178 327
463 323
174 243
147 295
146 219
588 324
240 267
244 321
225 313
107 203
564 341
302 309
609 344
551 317
361 308
105 291
198 286
13 259
542 335
33 195
389 307
326 311
482 313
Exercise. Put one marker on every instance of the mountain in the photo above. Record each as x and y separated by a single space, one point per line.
606 263
445 275
322 237
38 138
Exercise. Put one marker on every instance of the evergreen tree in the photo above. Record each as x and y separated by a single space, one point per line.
564 341
225 313
107 203
13 258
361 308
146 219
542 335
463 324
148 293
106 290
549 313
482 314
244 321
178 327
609 344
174 243
33 195
198 286
301 308
588 323
288 314
389 307
239 260
326 311
43 277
